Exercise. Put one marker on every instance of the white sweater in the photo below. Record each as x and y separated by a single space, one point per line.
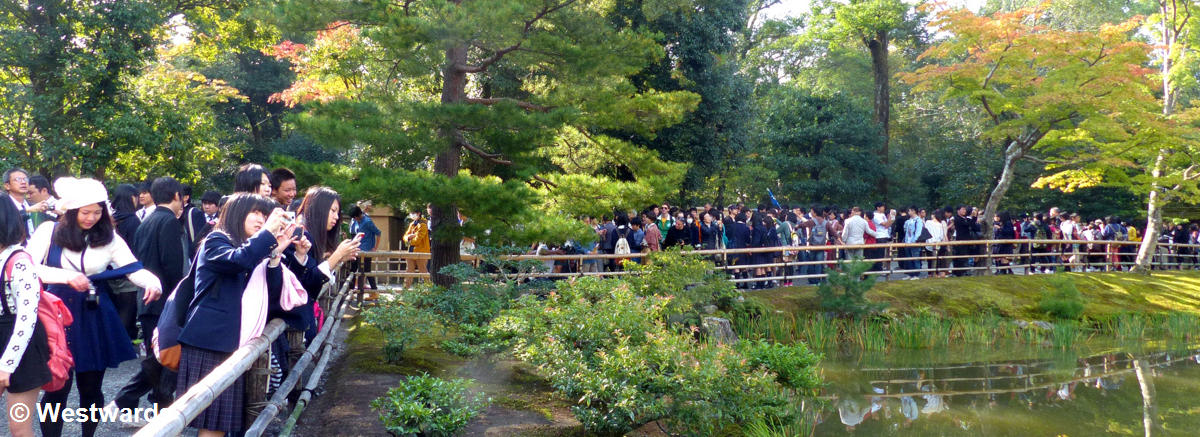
97 259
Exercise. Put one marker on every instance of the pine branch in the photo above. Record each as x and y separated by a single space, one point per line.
523 104
499 54
490 157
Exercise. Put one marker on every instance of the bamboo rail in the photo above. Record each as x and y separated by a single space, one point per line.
173 419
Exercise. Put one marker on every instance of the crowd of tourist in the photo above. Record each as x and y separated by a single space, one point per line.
740 227
116 260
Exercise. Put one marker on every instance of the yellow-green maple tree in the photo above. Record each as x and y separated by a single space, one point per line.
1042 92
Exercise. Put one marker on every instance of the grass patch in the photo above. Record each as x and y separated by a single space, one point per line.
1017 296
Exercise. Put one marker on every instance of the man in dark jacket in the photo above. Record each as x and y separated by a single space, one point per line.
192 219
738 236
162 247
678 234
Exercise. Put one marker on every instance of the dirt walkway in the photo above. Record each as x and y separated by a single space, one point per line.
522 405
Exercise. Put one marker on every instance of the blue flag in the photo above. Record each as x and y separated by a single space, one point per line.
773 200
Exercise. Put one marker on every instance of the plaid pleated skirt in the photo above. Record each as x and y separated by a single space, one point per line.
225 413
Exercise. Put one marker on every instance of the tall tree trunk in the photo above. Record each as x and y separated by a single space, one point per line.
1149 244
443 219
883 99
1014 152
1154 205
1145 377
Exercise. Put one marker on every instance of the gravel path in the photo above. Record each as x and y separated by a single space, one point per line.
114 379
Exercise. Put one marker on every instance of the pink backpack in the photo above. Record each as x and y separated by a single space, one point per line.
55 317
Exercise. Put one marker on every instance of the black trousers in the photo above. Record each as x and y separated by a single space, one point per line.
127 309
960 264
152 378
365 264
90 394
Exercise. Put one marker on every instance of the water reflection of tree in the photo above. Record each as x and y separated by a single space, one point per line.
1145 377
1038 386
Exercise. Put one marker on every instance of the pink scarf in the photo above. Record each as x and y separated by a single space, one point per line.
254 300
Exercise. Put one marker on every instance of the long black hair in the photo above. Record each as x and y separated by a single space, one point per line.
233 215
318 203
248 178
12 226
123 199
68 234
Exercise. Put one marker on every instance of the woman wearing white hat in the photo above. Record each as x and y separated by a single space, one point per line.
76 253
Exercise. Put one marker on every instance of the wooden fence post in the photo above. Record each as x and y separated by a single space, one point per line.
258 378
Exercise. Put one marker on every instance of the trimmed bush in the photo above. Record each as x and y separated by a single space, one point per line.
607 347
428 407
401 325
1064 300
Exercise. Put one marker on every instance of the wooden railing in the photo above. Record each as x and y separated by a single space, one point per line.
171 421
789 263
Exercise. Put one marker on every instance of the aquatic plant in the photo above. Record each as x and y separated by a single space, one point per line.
800 423
921 331
818 331
978 330
868 335
1127 326
1180 326
1066 333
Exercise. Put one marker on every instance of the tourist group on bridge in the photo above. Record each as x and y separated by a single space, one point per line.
92 280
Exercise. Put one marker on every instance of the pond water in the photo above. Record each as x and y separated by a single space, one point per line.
1151 388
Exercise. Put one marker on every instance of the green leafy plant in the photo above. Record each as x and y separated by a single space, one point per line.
599 342
401 325
1064 301
428 407
844 292
691 281
794 366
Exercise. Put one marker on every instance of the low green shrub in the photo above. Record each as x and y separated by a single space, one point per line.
794 366
607 347
844 291
1063 301
401 325
428 407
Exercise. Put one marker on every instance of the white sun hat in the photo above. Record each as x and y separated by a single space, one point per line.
76 193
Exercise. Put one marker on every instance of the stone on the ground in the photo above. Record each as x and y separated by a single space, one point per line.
720 330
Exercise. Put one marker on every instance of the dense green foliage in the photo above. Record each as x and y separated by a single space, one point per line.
425 406
600 343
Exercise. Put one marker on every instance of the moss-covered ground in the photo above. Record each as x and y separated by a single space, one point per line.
1016 296
522 404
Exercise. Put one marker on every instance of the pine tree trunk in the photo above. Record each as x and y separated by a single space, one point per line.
883 100
443 219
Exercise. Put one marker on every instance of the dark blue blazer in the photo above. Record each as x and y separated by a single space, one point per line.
302 318
222 271
738 235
